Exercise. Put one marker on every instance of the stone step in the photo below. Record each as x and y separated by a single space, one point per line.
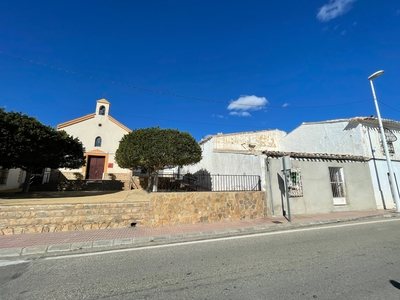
63 217
78 206
73 219
69 212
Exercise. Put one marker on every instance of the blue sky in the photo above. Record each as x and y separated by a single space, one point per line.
200 66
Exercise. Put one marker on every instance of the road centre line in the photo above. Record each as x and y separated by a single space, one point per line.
261 234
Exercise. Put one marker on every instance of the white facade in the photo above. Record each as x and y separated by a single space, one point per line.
100 135
318 183
11 179
356 136
236 153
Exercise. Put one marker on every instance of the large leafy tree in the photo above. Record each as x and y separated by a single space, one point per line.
154 149
28 144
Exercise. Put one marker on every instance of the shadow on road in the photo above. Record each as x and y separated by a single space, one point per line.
395 283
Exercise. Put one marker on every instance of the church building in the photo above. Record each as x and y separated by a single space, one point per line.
100 135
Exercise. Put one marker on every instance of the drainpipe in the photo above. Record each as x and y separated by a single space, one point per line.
268 190
376 169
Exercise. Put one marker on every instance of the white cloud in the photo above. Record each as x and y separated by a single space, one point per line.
218 116
334 9
240 113
284 105
244 104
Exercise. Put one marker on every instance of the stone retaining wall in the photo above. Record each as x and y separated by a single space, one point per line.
195 207
162 209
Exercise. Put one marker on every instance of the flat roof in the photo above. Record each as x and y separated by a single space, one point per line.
355 119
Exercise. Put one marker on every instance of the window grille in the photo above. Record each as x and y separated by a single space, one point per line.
390 138
295 185
390 147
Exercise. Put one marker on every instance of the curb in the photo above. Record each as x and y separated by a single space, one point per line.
103 245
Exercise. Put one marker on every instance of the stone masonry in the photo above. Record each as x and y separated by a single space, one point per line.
162 209
194 207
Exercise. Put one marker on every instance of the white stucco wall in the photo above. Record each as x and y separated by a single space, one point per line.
15 179
383 190
335 138
217 162
237 153
317 193
88 130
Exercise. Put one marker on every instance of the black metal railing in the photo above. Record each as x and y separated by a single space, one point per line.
208 182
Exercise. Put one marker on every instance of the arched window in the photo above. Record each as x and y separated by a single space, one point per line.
102 110
97 142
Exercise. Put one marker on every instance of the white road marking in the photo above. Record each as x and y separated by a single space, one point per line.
4 263
212 240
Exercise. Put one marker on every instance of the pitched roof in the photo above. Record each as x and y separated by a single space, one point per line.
103 100
88 117
77 120
119 124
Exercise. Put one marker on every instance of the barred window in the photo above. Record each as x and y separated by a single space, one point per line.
295 185
390 147
3 175
337 185
390 138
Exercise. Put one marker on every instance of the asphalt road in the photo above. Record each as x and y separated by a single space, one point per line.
346 262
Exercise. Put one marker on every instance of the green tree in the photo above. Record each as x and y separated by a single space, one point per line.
28 144
154 149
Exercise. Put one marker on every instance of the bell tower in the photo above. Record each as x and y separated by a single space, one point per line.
102 107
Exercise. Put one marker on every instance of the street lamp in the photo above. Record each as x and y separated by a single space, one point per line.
383 137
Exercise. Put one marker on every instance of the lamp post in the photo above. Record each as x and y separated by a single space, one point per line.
383 137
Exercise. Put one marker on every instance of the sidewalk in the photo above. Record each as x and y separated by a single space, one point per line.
96 240
73 197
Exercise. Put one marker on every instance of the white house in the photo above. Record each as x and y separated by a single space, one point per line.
359 136
317 183
100 135
236 153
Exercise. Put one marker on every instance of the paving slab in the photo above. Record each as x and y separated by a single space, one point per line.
125 241
81 245
10 252
59 248
102 243
34 250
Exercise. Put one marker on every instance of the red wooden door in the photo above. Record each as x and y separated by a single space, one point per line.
96 167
